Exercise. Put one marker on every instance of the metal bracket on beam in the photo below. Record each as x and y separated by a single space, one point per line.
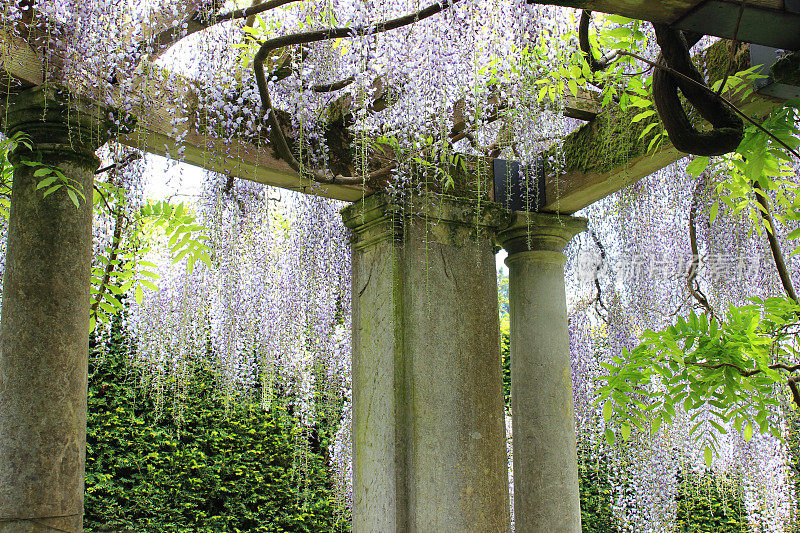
517 187
767 56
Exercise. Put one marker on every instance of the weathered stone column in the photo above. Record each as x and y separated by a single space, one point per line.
429 451
44 334
546 498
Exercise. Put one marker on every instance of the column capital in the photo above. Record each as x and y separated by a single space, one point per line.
454 221
539 232
429 449
58 122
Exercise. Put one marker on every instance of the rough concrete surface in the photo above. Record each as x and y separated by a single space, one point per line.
546 496
45 323
428 427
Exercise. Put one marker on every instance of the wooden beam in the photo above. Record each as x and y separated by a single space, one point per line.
235 158
601 157
584 106
19 63
654 10
768 22
165 112
605 155
166 125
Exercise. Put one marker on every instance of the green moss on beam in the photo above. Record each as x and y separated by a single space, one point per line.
787 70
606 142
606 154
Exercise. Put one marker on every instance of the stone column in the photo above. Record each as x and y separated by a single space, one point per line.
546 498
44 334
429 449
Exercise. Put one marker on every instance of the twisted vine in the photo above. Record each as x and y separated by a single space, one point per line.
595 65
728 128
276 132
675 71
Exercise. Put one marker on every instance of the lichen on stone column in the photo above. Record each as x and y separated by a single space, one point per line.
546 497
429 450
44 330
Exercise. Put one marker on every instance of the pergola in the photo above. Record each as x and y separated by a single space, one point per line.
429 440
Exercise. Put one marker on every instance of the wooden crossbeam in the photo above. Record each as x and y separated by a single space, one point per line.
601 157
767 22
606 154
165 127
668 11
161 124
653 10
20 65
162 131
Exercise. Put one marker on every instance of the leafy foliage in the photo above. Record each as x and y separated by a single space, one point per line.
761 160
708 506
505 335
505 354
595 489
228 467
719 371
703 504
121 268
722 371
49 178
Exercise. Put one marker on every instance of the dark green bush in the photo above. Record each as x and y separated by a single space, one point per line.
505 354
229 466
705 506
596 515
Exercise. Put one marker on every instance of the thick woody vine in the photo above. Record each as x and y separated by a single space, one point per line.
674 71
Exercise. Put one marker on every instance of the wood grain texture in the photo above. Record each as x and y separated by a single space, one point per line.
606 154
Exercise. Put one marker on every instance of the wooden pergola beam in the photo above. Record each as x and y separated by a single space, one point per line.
162 132
601 157
166 125
652 10
768 22
165 113
20 65
606 154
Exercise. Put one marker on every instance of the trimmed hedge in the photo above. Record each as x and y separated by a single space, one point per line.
705 506
229 467
596 514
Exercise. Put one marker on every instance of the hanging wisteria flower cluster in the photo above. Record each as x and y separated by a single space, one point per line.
276 300
272 315
638 251
270 312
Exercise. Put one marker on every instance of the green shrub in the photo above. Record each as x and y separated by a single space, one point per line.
705 506
505 354
596 514
228 467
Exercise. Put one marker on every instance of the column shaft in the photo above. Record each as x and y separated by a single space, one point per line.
428 426
45 321
546 496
